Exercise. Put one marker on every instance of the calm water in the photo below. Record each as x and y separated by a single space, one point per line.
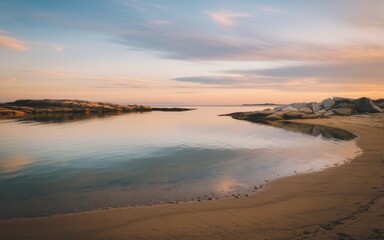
56 166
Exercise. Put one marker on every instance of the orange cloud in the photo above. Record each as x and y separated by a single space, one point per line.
12 43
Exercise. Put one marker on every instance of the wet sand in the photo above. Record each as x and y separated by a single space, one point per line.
343 202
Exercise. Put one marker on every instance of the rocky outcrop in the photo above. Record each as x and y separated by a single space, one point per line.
328 107
23 108
328 103
342 111
366 105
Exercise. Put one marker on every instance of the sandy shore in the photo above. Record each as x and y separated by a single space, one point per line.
344 202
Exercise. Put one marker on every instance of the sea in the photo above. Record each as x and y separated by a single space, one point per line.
73 163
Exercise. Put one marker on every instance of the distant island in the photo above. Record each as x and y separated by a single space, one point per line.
26 107
261 104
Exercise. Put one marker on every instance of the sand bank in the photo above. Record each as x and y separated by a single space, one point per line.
344 202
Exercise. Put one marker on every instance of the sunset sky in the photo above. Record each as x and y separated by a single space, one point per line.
191 52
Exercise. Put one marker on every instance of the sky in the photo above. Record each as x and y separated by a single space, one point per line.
174 52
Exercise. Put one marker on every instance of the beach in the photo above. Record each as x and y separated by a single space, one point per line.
342 202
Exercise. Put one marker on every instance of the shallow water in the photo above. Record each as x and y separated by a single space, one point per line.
55 166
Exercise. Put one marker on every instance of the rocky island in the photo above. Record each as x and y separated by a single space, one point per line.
28 108
313 110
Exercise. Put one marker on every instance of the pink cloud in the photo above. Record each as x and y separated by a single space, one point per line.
12 43
226 18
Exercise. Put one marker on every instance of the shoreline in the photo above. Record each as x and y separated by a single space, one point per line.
304 205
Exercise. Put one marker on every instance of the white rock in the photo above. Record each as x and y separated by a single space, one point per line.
289 109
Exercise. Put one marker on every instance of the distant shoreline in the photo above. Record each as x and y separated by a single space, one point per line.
262 104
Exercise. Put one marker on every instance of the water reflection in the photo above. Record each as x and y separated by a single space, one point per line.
47 118
144 159
316 130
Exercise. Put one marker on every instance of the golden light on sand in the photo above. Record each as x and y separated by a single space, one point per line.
228 184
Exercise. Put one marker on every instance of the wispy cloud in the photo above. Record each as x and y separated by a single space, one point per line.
271 9
226 18
95 81
184 45
12 43
160 23
210 80
139 4
351 76
341 72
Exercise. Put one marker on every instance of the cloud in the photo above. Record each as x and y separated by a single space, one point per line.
341 72
233 82
349 76
226 18
160 23
187 37
139 4
59 48
95 81
270 9
208 80
12 43
184 45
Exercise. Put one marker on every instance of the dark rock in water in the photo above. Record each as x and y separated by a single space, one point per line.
365 105
342 111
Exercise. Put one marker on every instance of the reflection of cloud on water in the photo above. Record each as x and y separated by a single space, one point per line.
14 163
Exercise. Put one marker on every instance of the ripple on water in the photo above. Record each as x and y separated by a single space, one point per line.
157 157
